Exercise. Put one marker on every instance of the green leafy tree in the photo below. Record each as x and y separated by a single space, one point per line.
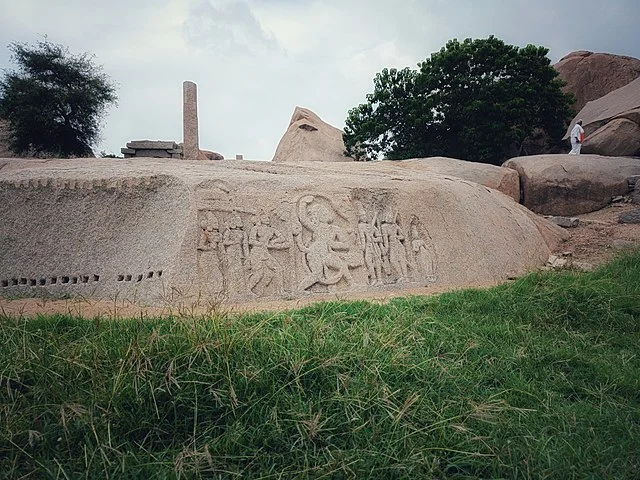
54 101
475 100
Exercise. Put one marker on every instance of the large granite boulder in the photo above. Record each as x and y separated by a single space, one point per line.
611 123
572 184
590 76
620 137
310 139
505 180
156 230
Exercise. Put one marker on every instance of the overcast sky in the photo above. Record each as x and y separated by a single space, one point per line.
255 60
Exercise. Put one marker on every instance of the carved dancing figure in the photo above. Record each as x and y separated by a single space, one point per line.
264 268
208 261
424 255
392 241
325 265
370 240
236 245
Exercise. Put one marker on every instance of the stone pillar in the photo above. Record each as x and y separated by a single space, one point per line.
190 145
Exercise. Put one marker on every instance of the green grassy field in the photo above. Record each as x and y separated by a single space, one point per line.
539 378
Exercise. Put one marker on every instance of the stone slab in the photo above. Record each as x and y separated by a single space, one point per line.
153 153
151 145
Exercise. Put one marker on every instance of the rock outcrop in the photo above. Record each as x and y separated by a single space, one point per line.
505 180
572 184
612 122
590 76
619 137
310 139
158 230
209 155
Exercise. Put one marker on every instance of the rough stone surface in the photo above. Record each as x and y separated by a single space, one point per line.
151 145
619 137
152 149
569 185
621 104
556 262
635 194
630 217
565 222
160 231
590 76
191 148
309 139
502 179
211 155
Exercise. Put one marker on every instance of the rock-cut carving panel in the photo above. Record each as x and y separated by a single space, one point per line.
311 245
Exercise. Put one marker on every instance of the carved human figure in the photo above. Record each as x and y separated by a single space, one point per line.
425 258
393 244
264 268
370 240
326 266
236 245
209 238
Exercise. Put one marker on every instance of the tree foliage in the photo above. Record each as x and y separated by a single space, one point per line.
54 101
475 100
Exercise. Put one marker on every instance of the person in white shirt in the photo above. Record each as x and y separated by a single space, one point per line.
577 137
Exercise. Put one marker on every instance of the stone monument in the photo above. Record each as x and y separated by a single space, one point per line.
158 230
190 145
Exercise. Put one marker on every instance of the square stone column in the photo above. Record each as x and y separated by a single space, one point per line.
190 145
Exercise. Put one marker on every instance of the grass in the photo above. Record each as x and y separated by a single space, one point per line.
539 378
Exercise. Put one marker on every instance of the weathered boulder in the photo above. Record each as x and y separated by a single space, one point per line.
505 180
310 139
621 108
619 137
209 155
572 184
632 216
158 230
589 75
635 191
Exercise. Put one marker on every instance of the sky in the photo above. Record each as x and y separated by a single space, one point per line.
254 61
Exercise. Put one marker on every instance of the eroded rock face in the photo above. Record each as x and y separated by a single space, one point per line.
505 180
209 155
310 139
572 184
590 76
158 230
619 137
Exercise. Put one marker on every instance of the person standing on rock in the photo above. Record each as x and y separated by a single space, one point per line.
577 138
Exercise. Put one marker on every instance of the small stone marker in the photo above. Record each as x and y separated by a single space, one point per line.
566 222
239 157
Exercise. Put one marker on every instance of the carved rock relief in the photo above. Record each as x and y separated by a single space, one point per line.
311 245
